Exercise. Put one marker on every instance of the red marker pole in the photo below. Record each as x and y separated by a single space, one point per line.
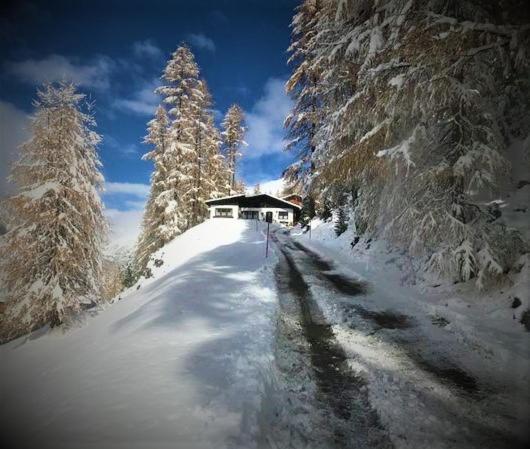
267 247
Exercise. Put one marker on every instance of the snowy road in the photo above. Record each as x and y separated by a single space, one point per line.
381 377
225 349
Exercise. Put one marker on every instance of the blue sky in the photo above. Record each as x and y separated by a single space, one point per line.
116 50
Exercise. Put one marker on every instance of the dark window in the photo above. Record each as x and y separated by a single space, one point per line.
222 212
250 214
282 215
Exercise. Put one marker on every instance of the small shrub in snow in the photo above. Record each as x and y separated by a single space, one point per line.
341 224
525 319
516 302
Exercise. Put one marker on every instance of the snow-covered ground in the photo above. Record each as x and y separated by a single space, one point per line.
211 352
458 366
177 362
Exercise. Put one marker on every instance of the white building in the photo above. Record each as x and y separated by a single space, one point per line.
254 207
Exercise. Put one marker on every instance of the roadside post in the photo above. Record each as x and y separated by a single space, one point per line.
268 219
309 226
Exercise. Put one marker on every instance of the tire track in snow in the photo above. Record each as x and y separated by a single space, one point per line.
400 331
446 372
354 423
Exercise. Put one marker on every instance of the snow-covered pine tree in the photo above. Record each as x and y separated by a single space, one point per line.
303 86
160 220
205 149
181 92
188 166
341 223
308 210
216 166
233 138
52 257
421 101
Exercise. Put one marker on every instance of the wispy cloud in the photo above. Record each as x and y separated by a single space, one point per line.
125 202
137 190
125 227
147 48
265 131
201 41
143 102
14 130
128 149
94 74
270 186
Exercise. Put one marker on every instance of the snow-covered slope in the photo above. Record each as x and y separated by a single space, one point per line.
175 363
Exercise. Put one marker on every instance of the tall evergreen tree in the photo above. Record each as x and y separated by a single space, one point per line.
341 223
159 223
181 92
205 148
305 89
233 138
188 166
52 257
217 168
418 103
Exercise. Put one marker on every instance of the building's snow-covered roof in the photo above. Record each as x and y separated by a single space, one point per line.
238 198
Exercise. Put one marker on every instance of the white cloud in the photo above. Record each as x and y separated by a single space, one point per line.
143 102
57 68
124 227
129 188
272 187
129 150
147 48
125 221
14 130
265 130
202 41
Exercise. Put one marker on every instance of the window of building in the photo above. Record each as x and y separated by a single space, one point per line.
283 215
250 214
223 212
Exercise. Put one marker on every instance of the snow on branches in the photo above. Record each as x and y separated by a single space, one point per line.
414 103
233 139
52 257
185 151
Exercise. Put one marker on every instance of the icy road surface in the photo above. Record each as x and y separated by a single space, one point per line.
400 379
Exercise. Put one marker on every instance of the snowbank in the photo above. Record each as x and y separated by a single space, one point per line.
177 362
